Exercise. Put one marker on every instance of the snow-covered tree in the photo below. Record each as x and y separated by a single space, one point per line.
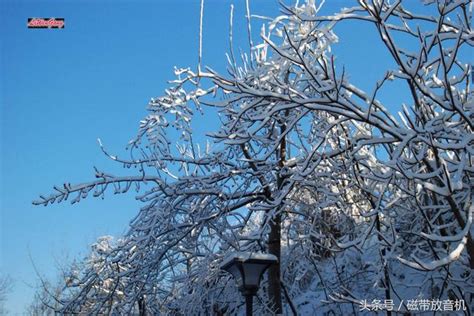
5 287
45 300
102 296
306 165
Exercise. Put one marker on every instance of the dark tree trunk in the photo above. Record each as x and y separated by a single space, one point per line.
141 307
274 238
274 248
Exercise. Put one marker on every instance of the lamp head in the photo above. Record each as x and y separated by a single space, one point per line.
247 269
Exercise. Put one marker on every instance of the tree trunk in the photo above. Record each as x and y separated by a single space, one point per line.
141 307
386 273
274 247
274 238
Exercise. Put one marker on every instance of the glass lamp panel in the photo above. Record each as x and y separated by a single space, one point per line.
235 271
253 272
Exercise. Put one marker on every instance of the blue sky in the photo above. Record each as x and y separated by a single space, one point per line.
62 89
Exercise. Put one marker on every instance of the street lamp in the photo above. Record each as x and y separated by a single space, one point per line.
247 269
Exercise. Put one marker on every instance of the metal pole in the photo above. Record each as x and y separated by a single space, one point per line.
249 304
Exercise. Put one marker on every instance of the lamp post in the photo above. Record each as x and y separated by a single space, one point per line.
247 269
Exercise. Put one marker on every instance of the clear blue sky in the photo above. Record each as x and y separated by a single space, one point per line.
62 89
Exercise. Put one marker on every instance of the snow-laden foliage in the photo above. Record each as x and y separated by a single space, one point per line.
5 287
357 198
